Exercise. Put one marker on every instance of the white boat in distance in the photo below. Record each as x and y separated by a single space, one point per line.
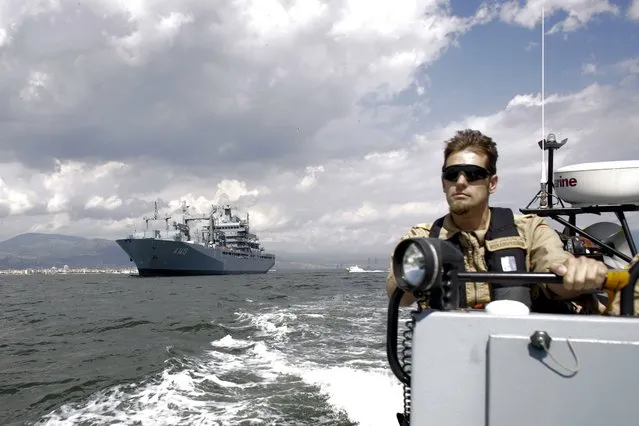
356 268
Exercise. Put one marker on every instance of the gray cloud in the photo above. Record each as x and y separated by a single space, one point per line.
211 92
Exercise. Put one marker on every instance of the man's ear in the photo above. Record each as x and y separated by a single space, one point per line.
492 183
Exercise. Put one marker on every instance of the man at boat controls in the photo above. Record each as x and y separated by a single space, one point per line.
469 177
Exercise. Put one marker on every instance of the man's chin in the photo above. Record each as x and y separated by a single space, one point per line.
459 208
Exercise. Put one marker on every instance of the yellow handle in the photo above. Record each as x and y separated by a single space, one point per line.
615 281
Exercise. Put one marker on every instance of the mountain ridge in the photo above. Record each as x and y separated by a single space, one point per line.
44 250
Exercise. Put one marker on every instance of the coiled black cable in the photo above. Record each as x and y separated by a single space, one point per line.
407 353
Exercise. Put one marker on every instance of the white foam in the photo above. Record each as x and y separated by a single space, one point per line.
229 342
368 397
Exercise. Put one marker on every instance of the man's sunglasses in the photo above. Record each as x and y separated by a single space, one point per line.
472 172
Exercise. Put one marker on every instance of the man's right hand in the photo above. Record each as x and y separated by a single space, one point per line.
581 274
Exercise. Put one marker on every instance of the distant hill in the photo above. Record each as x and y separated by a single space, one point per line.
39 250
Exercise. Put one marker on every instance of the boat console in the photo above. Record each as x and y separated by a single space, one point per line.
504 365
592 188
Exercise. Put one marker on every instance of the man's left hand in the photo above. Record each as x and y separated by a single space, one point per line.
581 273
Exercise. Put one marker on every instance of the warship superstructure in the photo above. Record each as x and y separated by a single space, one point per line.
222 244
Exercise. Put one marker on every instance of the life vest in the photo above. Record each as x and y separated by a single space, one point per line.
503 253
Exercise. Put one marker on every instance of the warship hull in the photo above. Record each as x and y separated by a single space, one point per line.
157 258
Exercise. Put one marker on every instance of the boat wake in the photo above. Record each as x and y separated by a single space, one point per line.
279 366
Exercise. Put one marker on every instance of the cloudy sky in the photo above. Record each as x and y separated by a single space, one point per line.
325 119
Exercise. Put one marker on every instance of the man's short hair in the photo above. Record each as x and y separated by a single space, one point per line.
476 141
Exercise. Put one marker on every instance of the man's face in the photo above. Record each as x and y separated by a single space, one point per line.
468 185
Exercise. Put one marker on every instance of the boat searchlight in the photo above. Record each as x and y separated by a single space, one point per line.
419 263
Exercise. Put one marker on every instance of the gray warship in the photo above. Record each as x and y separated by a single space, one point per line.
221 245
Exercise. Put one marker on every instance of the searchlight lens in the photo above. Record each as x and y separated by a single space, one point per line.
413 265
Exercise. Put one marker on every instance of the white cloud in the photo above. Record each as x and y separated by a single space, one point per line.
633 10
531 45
281 108
629 66
12 202
220 85
310 178
588 68
579 12
109 203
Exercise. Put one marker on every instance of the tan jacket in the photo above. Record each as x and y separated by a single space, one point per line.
543 246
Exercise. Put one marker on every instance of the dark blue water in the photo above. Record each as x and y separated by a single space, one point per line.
279 348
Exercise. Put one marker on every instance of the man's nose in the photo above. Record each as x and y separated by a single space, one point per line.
461 180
